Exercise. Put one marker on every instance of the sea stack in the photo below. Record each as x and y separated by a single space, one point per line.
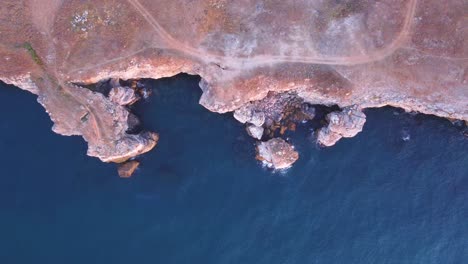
277 153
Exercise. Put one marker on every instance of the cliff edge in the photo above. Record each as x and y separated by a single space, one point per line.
355 54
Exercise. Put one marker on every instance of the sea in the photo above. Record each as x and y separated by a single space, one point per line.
396 193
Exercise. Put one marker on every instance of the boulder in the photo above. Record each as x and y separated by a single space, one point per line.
277 153
347 123
248 114
255 131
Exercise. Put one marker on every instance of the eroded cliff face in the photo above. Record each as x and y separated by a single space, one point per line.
411 54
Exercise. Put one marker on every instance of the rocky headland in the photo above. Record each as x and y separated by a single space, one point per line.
269 62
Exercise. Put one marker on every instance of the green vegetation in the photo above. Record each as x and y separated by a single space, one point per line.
33 53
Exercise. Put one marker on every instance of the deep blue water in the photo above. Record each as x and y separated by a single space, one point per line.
200 196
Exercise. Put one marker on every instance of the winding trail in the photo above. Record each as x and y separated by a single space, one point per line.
237 62
110 61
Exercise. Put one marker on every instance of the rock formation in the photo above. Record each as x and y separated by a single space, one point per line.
123 95
255 131
277 111
277 153
127 169
347 123
411 54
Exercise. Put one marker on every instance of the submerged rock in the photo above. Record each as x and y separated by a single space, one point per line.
123 95
347 123
127 169
277 153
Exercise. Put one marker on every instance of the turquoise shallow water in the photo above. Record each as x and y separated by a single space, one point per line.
200 197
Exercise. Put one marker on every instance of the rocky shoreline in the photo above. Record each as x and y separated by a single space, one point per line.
266 120
267 63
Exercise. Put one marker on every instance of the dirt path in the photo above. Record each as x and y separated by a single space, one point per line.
237 62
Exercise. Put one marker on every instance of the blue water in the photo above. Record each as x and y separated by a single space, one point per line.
200 196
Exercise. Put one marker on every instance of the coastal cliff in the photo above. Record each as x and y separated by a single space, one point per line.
252 54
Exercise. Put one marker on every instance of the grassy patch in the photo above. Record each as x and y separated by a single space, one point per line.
33 53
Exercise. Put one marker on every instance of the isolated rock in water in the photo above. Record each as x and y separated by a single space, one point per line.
127 169
255 131
277 153
347 123
123 95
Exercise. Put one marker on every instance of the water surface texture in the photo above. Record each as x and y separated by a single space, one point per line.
200 196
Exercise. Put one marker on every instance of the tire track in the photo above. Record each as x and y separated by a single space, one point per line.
267 59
